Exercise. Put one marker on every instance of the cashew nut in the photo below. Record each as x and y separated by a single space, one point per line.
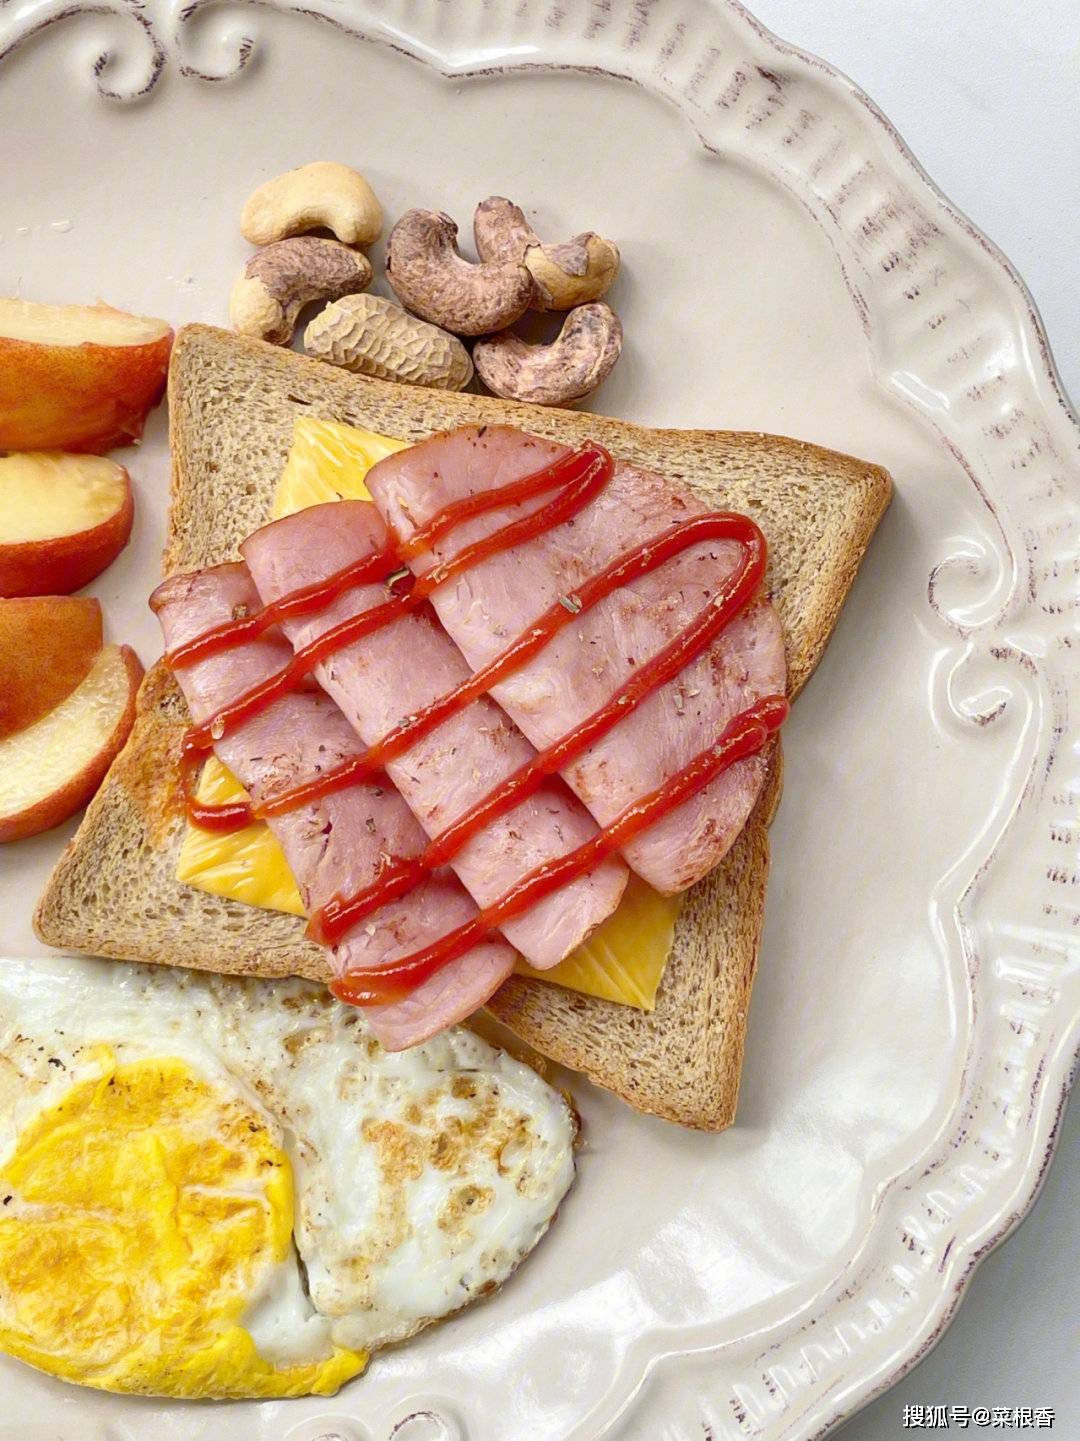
433 280
575 363
279 280
368 334
566 275
320 196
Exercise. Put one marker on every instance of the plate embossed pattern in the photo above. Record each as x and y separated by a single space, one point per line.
949 329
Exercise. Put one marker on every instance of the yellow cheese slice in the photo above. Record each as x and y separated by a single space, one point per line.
328 462
246 865
623 960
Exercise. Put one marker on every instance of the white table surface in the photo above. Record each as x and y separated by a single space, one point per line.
987 95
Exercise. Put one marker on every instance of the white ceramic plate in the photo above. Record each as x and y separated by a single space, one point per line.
787 268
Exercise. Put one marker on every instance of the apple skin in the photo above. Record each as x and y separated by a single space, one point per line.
61 564
78 789
48 645
87 397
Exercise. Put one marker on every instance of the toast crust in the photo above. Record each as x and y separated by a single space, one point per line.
763 476
114 890
233 403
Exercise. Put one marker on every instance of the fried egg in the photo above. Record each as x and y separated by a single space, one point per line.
213 1187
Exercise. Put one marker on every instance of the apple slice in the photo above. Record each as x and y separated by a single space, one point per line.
51 769
77 377
63 519
48 644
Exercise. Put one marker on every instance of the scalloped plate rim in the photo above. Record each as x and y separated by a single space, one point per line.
1061 1063
1008 1218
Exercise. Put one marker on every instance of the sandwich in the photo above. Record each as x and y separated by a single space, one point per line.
294 480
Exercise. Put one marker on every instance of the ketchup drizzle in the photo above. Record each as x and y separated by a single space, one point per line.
338 916
305 601
578 477
592 467
744 736
210 816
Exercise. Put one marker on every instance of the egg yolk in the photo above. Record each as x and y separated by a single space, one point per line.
139 1218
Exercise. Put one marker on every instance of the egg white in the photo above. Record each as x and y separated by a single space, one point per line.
421 1178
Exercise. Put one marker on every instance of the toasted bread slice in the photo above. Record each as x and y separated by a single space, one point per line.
233 403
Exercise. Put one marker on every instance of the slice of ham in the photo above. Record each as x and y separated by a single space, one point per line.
337 844
394 672
488 606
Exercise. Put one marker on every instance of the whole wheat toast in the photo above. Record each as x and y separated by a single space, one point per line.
233 403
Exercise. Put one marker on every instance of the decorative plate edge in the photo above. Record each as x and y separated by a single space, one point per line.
170 42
